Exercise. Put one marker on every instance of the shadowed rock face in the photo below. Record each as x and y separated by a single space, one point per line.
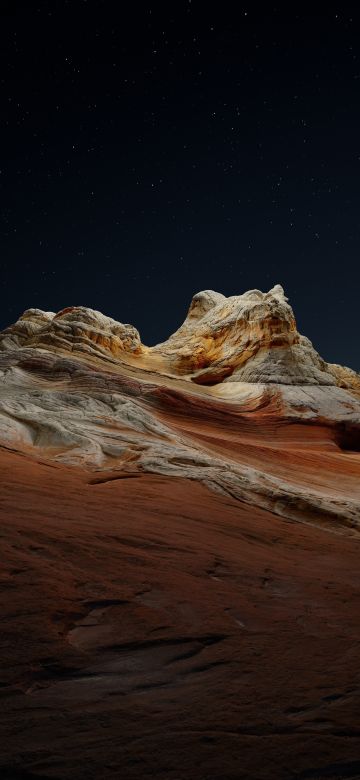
179 585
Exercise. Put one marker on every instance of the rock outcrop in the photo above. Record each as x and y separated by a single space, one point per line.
244 338
236 398
179 548
74 329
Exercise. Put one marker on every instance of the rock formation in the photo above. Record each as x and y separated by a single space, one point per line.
75 328
179 587
83 389
244 338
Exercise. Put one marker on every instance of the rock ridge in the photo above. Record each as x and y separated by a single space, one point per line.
250 338
235 399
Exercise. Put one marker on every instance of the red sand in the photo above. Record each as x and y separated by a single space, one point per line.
153 629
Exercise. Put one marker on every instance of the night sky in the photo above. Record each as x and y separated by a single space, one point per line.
149 151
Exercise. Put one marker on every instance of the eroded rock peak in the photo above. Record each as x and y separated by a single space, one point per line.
250 337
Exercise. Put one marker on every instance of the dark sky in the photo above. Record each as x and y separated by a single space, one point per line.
152 150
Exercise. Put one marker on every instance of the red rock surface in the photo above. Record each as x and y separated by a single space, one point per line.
152 628
180 529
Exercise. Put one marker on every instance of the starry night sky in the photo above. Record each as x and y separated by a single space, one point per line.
153 150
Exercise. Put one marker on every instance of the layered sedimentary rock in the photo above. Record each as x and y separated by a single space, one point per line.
75 328
236 399
153 628
243 338
179 589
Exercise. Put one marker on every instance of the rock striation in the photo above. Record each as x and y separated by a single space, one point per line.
236 398
179 548
244 338
74 329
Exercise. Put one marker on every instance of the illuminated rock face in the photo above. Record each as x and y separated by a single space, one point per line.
74 329
244 338
236 399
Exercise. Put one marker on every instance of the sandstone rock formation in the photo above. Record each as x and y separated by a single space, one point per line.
179 587
75 328
244 338
153 628
81 388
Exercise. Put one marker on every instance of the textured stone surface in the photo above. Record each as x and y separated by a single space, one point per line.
179 587
250 337
82 389
74 329
152 628
243 338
